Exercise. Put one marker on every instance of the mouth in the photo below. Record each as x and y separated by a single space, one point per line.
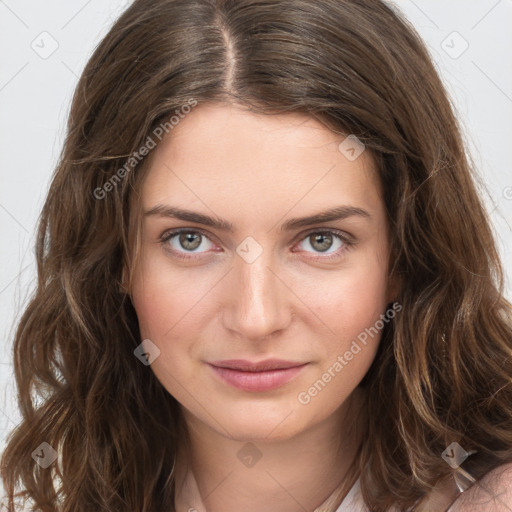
257 376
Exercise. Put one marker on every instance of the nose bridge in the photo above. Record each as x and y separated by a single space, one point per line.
258 301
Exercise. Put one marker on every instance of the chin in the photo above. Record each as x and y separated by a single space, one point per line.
262 424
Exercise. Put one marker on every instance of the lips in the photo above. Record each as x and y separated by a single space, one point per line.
256 376
248 366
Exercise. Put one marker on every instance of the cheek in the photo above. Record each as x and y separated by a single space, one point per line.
352 306
164 297
162 306
171 306
353 309
350 299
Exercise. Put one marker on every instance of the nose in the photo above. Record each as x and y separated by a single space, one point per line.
258 302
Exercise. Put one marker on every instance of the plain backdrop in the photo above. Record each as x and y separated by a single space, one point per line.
45 45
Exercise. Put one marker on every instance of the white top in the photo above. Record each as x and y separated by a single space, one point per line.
353 501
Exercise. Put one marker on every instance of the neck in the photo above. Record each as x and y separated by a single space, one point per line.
291 475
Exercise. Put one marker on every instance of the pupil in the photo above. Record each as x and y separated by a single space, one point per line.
187 242
323 245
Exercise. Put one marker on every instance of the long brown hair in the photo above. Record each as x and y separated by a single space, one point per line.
443 368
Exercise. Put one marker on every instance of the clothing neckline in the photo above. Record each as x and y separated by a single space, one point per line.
352 499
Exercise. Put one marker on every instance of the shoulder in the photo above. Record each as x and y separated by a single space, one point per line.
492 493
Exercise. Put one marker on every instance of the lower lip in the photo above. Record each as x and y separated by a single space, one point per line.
257 381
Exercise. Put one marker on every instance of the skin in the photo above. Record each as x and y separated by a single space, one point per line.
292 302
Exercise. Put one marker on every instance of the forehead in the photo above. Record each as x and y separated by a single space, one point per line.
231 160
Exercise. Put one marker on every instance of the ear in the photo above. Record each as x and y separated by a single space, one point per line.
123 285
394 289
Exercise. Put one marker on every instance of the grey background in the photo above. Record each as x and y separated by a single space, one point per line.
45 45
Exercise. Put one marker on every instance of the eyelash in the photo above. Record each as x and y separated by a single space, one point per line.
348 242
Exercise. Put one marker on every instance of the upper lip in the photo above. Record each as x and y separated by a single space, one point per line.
250 366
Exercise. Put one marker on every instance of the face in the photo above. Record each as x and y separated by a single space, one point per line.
258 314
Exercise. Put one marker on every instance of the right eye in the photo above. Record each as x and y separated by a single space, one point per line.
182 241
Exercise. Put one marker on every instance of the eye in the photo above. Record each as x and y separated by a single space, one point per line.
187 243
323 241
183 241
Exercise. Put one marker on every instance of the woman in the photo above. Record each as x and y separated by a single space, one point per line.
266 280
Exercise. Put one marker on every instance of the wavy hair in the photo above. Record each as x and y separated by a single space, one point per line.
443 370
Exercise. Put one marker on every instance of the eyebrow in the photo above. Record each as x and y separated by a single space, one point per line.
332 214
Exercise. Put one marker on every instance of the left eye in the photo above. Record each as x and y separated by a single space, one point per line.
323 241
183 241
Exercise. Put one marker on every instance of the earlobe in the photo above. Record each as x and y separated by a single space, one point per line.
394 288
123 284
